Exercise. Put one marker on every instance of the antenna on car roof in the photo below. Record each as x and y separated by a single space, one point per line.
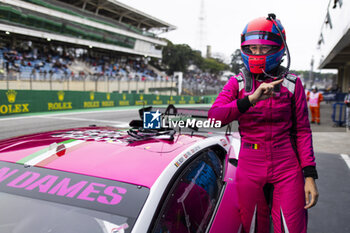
138 133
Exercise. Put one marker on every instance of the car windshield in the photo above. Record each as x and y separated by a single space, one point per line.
22 214
38 200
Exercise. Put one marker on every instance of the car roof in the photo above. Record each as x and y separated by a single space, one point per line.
103 152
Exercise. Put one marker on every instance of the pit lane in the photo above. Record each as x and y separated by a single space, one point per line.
331 213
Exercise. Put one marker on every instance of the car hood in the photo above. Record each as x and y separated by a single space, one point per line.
103 152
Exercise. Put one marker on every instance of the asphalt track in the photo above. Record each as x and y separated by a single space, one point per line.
331 215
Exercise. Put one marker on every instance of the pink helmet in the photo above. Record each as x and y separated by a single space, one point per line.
263 31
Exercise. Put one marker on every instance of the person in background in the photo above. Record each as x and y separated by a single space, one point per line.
276 169
314 99
347 104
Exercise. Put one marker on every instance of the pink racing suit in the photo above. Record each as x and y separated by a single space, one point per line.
276 146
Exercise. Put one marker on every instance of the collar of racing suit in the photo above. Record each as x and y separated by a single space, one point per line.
250 77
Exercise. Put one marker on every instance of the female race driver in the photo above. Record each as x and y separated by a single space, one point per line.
276 170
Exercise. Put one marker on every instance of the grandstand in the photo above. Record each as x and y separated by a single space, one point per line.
112 25
64 39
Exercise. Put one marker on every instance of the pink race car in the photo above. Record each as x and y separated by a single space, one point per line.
106 180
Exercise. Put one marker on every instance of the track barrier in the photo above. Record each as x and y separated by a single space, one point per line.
30 101
339 114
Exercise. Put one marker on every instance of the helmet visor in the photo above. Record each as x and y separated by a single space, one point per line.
261 37
260 49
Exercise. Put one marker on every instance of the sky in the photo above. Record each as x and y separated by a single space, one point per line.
224 21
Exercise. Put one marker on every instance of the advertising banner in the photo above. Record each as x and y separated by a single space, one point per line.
26 101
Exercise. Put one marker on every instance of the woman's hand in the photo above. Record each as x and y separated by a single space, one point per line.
264 91
310 191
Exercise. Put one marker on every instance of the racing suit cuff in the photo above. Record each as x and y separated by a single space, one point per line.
310 171
243 104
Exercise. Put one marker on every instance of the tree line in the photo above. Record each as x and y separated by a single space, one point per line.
178 57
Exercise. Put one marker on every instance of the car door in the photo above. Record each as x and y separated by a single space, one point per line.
192 200
227 218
